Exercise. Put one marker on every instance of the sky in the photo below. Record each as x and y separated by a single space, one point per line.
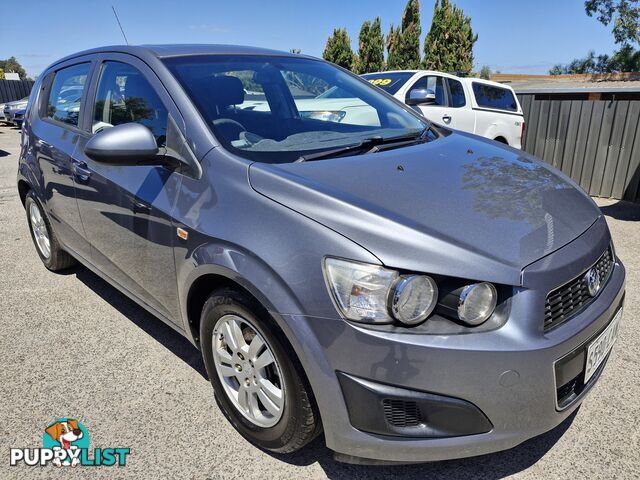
514 36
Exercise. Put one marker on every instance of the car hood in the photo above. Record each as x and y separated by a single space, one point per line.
16 104
461 206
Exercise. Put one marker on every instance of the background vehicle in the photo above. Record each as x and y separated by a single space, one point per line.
12 108
18 117
474 105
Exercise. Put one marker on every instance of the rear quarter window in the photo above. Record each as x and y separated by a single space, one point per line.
489 96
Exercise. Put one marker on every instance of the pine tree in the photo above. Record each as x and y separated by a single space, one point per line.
338 49
448 46
393 41
370 47
409 46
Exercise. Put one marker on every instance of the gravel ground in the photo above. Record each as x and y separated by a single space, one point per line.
74 346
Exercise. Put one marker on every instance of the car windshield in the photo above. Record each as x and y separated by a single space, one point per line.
277 108
390 82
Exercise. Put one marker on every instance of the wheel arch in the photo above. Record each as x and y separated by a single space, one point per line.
208 278
23 190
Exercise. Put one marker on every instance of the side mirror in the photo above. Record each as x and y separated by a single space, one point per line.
125 144
421 96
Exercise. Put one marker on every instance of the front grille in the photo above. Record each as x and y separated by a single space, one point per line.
401 413
567 300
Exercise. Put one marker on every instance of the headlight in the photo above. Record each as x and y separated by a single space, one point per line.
477 303
413 298
360 290
324 115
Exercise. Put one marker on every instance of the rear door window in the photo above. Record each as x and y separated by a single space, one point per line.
457 93
490 96
65 94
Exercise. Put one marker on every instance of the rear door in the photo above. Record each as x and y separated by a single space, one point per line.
462 115
55 131
498 113
439 111
126 210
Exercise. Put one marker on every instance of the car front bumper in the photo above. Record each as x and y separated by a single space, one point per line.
508 374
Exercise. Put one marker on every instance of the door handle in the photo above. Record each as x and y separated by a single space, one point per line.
446 119
140 207
81 170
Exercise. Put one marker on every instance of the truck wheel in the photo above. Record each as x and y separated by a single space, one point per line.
47 246
255 377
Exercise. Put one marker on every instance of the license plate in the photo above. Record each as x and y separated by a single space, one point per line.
598 350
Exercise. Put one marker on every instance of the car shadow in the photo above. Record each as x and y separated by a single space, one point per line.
622 210
488 467
4 153
144 320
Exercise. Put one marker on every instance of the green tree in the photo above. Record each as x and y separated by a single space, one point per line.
370 47
624 14
625 17
1 74
393 41
295 50
485 72
11 65
449 44
338 49
627 59
406 43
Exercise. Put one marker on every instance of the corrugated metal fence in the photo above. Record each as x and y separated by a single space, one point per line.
594 137
11 90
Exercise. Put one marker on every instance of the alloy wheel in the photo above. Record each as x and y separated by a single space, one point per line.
248 370
40 231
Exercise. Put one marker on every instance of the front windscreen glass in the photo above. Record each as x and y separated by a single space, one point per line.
390 82
277 109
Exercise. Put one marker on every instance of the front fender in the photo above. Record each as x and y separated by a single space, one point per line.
241 267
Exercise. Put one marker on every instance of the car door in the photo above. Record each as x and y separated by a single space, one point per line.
438 111
126 210
55 130
463 116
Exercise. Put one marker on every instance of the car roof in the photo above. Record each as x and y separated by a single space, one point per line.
414 72
179 50
486 82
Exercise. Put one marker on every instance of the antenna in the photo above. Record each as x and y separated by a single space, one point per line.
119 24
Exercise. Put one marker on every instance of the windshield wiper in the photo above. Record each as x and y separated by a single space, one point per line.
367 145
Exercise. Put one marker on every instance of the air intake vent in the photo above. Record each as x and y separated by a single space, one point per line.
401 413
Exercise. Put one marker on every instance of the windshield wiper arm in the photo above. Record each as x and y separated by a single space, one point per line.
368 145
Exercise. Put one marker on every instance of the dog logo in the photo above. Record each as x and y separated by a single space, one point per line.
69 435
65 443
592 278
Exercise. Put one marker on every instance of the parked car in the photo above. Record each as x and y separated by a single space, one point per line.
474 105
3 119
18 117
417 292
12 108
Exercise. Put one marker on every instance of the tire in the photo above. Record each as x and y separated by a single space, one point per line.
299 421
54 258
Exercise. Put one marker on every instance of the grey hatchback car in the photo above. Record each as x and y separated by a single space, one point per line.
345 266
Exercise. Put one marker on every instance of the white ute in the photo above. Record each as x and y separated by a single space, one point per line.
482 107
